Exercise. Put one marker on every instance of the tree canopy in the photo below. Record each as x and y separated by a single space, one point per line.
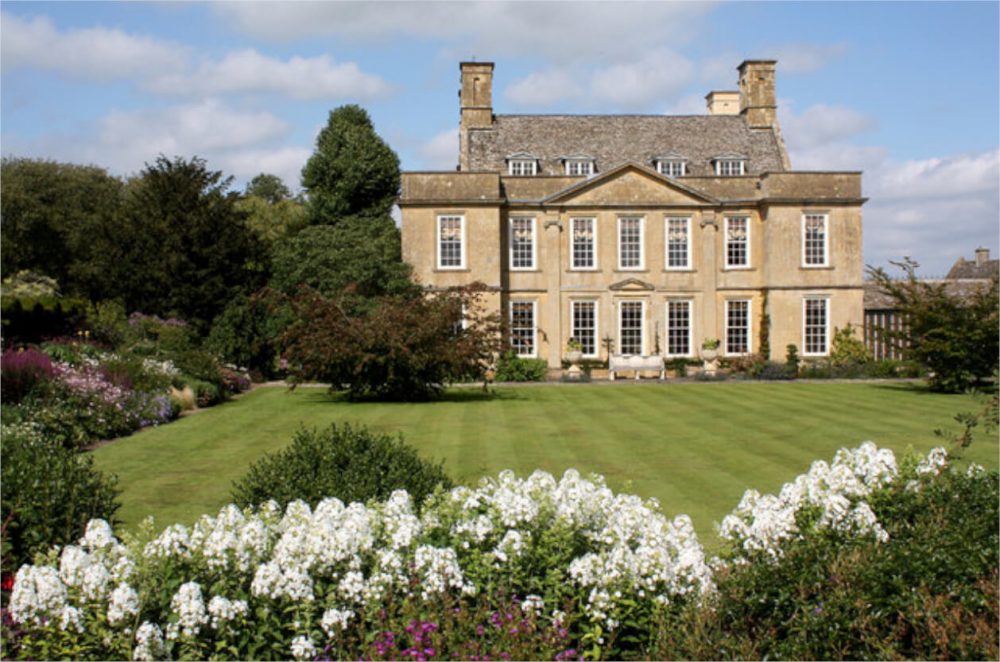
353 172
269 187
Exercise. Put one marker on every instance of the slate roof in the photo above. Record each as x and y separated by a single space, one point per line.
968 269
877 299
615 139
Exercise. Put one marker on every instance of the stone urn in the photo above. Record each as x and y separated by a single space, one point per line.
709 354
574 356
574 373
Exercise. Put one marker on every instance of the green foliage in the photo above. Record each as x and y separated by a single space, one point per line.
107 322
765 329
792 359
247 334
846 349
29 284
512 368
31 320
351 464
206 393
272 222
181 247
200 364
360 253
49 493
400 348
51 213
269 188
352 173
955 337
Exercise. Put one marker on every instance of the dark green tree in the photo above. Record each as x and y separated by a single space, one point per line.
181 248
352 173
269 187
955 337
49 213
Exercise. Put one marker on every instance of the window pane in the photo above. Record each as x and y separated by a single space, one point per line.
629 243
522 327
630 313
583 243
736 242
450 248
815 326
814 242
737 327
522 243
677 242
679 328
584 327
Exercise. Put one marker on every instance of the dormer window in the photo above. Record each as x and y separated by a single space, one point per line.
730 165
577 166
522 165
670 165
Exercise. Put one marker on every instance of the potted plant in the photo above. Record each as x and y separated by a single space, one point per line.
710 349
574 351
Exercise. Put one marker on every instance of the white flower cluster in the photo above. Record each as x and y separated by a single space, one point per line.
838 491
354 555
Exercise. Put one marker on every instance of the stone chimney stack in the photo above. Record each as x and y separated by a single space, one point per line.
982 256
723 103
758 103
476 103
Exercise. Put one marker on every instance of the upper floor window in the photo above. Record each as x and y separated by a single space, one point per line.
725 167
815 251
630 242
522 243
671 167
576 167
520 167
737 242
583 243
678 243
451 242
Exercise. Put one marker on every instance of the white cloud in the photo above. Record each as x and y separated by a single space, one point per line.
950 176
805 58
543 88
563 31
285 162
297 77
440 152
821 125
692 104
90 53
658 75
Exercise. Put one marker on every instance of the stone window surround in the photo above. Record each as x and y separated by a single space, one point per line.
806 264
747 263
593 231
641 266
667 221
533 266
462 242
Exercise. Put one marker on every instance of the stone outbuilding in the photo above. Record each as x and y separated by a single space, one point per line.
641 235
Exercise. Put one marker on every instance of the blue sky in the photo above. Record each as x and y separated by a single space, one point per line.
906 92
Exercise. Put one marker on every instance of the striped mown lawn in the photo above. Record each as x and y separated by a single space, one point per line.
695 447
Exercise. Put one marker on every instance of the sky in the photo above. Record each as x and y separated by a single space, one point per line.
906 92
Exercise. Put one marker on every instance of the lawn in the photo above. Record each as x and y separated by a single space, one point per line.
695 447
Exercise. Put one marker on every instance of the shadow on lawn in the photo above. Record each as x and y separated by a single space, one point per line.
456 395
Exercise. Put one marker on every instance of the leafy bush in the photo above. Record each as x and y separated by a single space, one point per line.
206 394
512 368
49 493
107 321
31 320
351 464
772 370
792 360
846 350
233 381
23 372
246 334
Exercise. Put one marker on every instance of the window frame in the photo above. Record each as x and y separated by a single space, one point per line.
806 300
725 238
642 326
534 327
510 243
826 240
689 304
666 243
462 242
642 243
749 328
593 243
597 324
729 163
589 163
522 162
662 163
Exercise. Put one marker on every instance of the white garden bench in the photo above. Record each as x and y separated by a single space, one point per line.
635 363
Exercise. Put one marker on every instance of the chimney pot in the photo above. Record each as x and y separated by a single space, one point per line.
982 256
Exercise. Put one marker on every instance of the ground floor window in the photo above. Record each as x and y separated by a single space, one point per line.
584 325
630 314
738 326
522 328
814 326
678 328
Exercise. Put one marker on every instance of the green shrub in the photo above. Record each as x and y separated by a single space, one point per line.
31 320
351 464
200 364
206 394
846 350
49 493
246 334
792 360
108 322
512 368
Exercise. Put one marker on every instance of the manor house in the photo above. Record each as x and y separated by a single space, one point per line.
641 234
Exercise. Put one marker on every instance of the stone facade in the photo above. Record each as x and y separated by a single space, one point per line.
590 226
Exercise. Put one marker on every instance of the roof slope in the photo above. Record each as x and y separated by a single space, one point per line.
966 269
615 139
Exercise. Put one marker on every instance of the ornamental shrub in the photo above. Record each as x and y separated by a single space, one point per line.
512 368
49 493
23 372
348 463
